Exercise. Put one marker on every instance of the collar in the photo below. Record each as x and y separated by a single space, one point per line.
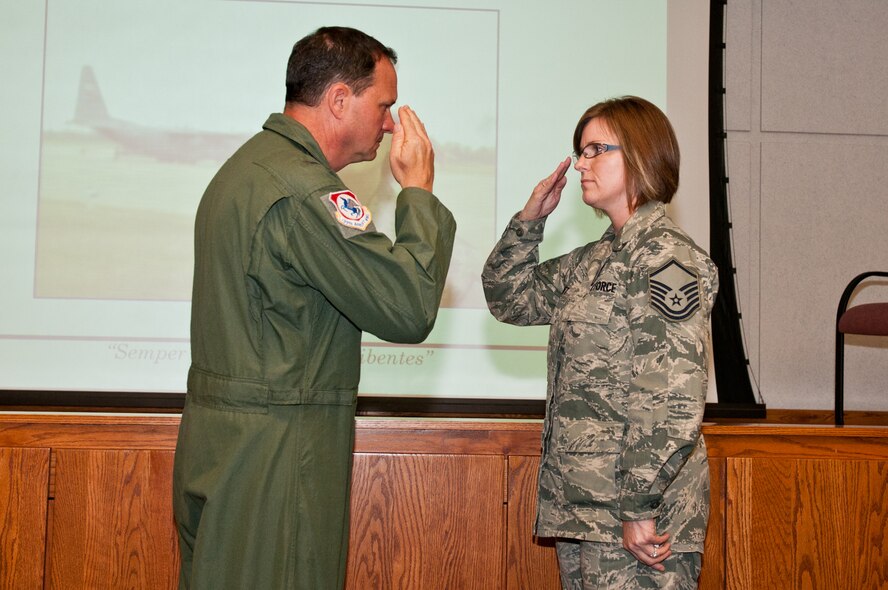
642 220
297 133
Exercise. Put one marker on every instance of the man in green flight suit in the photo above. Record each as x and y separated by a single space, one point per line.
289 270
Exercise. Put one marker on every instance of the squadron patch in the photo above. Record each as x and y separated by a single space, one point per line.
349 211
674 291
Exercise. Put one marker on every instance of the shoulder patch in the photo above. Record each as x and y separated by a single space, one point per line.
674 291
348 211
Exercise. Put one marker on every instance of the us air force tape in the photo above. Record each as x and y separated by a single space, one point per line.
674 291
348 211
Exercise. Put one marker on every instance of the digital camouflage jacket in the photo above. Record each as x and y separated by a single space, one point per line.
627 374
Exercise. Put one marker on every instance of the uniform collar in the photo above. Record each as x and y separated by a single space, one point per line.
643 218
297 133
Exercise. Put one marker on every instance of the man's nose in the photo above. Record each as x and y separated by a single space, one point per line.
388 125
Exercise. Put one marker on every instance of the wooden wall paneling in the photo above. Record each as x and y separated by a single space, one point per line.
759 526
449 436
864 503
112 520
825 442
163 539
89 431
426 521
841 510
825 518
713 575
819 510
24 480
530 562
448 504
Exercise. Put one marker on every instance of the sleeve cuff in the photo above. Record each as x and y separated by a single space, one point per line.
527 230
639 506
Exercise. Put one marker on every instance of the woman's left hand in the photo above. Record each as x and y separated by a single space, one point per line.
640 538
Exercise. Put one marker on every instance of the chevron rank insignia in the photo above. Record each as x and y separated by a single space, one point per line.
674 291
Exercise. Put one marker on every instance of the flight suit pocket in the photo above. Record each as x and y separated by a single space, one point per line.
589 454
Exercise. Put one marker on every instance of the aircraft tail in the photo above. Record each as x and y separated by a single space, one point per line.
90 104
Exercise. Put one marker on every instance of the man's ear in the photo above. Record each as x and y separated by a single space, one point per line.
337 98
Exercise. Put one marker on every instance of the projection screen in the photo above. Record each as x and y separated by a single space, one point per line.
116 114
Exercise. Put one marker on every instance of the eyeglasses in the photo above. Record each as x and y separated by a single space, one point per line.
593 150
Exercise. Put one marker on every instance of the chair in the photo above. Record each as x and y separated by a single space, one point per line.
867 318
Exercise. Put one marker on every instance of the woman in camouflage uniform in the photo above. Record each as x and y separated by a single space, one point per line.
623 482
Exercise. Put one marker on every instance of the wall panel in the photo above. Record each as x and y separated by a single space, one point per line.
817 513
791 506
823 67
112 520
530 561
413 526
24 479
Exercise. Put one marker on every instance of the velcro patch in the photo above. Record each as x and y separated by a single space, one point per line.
674 291
349 211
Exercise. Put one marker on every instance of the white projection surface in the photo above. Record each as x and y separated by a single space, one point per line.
115 114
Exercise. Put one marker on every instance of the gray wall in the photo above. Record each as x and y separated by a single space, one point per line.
807 118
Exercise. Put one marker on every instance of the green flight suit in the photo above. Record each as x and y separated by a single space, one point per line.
288 273
627 374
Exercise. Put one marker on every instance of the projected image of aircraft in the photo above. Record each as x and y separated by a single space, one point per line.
166 145
120 178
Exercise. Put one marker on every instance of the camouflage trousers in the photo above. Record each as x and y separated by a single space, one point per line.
594 566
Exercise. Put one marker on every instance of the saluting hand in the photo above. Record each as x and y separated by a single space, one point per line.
412 158
546 194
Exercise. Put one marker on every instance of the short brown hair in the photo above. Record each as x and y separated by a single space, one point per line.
650 149
329 55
